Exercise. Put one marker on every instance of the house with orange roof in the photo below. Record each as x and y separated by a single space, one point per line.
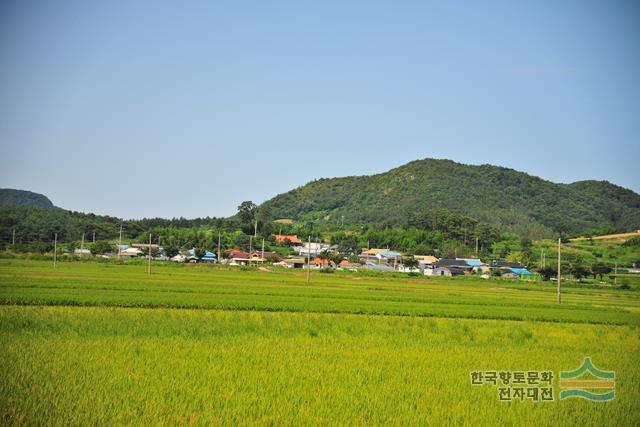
426 259
347 265
281 239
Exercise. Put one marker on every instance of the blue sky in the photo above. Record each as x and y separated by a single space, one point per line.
152 108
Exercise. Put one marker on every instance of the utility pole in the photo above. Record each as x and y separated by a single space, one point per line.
342 224
249 251
13 239
255 231
55 249
308 260
262 256
120 241
82 243
219 254
94 237
149 268
558 270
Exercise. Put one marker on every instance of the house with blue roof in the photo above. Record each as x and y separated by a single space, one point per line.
384 256
209 257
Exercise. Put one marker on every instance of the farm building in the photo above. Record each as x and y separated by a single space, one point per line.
376 267
521 272
294 262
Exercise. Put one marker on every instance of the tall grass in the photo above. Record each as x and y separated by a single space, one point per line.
96 365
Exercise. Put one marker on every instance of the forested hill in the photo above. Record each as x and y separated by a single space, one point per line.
511 200
10 197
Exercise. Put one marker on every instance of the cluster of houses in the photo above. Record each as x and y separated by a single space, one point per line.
311 254
389 260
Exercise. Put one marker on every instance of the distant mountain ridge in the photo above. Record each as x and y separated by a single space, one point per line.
11 197
508 199
512 200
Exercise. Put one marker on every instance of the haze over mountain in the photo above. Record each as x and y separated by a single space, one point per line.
504 197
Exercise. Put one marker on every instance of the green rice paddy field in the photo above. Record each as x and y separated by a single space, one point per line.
106 344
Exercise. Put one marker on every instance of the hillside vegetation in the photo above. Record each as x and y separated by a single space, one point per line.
10 197
511 200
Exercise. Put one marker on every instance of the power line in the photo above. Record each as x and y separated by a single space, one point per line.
120 241
55 249
558 270
308 260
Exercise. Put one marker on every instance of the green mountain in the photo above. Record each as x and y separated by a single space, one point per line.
10 197
513 201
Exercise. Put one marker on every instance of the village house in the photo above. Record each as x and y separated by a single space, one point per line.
377 267
444 271
237 257
370 255
313 249
208 257
404 269
319 263
459 264
294 262
389 256
511 268
130 252
282 238
179 258
425 259
347 265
